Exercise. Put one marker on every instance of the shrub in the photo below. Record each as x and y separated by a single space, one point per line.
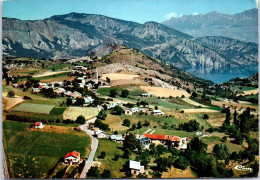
11 94
80 119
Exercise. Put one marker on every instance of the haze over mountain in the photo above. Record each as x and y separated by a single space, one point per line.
242 26
75 35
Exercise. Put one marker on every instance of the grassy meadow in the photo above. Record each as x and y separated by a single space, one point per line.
32 153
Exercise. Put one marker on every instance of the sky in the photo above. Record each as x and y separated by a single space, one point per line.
139 11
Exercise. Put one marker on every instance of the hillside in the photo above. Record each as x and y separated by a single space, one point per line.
242 26
75 35
123 58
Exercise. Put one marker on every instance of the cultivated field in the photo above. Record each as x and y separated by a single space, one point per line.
9 103
48 73
32 154
188 100
164 92
34 108
202 110
255 91
73 112
119 76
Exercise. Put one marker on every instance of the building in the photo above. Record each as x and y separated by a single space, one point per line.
164 139
35 90
72 158
198 133
146 95
38 125
88 99
136 167
116 138
157 112
128 112
134 109
100 134
143 140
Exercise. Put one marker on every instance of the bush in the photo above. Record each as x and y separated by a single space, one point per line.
11 94
102 115
113 93
181 163
102 155
205 116
117 110
126 122
80 120
125 93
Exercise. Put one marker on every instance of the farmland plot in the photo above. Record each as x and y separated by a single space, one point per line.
73 112
164 92
34 108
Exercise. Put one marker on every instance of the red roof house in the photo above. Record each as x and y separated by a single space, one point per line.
72 157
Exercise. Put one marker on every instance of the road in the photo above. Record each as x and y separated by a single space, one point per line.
94 145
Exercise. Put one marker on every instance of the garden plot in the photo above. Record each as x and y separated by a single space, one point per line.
245 93
73 112
34 108
164 92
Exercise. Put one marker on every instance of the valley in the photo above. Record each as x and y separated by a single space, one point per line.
128 95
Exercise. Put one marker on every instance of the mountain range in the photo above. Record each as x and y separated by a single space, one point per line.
76 35
242 26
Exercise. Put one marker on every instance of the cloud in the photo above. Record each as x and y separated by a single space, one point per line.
172 14
195 13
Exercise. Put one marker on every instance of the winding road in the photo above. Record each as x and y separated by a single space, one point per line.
94 146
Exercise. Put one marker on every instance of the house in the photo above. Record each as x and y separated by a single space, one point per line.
112 105
15 85
143 140
128 112
76 95
157 112
88 99
72 158
198 133
35 90
134 109
184 143
144 110
43 85
146 95
136 167
100 134
38 125
117 138
164 139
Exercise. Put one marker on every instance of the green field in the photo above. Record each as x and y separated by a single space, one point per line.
34 108
64 74
111 148
58 67
36 98
32 154
58 110
133 90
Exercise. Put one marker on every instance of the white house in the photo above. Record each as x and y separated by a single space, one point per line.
146 94
117 138
35 90
112 105
128 112
134 109
136 167
38 125
198 133
100 134
88 99
72 158
157 112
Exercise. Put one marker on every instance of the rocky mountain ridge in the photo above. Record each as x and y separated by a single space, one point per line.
242 26
76 34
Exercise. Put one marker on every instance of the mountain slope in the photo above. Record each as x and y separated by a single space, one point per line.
75 35
242 26
122 58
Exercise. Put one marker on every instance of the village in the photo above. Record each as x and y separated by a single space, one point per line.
150 125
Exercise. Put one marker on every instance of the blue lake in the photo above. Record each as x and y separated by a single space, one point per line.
219 78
